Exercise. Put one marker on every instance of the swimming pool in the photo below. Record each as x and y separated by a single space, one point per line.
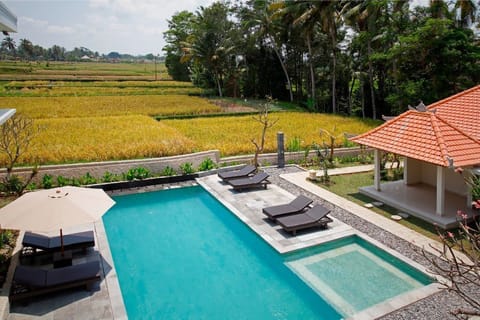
180 254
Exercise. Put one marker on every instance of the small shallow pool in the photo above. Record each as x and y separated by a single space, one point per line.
353 274
180 254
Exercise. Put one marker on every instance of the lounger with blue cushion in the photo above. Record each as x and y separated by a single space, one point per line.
235 174
297 205
80 240
30 282
317 216
255 181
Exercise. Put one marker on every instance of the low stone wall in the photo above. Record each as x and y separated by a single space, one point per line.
272 159
156 165
97 169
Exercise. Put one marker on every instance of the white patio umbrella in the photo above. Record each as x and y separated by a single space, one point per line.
47 210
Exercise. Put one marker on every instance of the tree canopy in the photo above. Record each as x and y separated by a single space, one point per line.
364 58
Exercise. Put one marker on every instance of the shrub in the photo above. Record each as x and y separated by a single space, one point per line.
137 173
13 184
168 171
110 177
47 181
206 165
187 168
62 181
87 179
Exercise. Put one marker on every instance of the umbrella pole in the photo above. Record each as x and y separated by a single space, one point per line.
61 241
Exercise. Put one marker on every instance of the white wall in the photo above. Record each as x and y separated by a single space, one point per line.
422 172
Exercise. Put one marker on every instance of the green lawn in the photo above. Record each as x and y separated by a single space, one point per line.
347 186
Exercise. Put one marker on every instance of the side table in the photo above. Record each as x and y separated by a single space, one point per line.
62 260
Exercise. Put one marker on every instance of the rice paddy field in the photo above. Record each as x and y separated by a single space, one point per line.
87 120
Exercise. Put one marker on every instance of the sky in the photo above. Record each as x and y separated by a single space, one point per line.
125 26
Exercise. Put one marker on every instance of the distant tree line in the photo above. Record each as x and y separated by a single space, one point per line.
26 50
365 58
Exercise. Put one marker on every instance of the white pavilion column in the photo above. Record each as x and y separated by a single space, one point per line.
377 156
440 207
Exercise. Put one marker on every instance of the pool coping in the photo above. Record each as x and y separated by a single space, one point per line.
378 310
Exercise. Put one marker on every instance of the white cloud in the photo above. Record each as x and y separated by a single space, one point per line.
60 30
126 26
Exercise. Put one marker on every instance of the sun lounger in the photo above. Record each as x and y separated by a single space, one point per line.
314 217
80 240
234 174
258 180
297 205
30 282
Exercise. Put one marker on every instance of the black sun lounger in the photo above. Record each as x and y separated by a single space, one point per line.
297 205
234 174
80 240
30 282
258 180
314 217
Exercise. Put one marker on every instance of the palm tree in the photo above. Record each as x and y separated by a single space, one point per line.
438 9
26 48
306 17
210 44
468 12
264 17
362 17
8 44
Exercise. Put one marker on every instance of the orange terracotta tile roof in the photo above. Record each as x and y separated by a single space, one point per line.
461 110
448 130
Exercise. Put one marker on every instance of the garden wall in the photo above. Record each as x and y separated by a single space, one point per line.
156 165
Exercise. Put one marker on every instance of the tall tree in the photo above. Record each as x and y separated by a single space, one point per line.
210 45
26 48
180 26
262 19
8 44
468 12
363 18
307 15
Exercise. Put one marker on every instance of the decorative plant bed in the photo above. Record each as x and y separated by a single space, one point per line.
109 186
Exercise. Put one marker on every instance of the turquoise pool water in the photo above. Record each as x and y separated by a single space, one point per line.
353 274
180 254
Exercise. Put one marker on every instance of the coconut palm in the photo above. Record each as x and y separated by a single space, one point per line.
8 44
468 12
264 19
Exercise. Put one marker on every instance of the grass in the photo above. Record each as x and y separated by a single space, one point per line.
347 187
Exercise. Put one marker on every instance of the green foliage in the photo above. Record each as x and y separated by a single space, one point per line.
473 181
206 165
110 177
435 60
87 179
187 168
6 238
47 181
294 144
12 184
168 171
62 181
137 173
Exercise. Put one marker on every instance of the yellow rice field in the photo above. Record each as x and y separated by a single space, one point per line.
232 135
104 138
98 138
102 106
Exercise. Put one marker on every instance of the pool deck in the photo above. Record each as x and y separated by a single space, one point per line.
105 300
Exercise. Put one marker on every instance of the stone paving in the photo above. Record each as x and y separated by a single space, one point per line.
105 301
